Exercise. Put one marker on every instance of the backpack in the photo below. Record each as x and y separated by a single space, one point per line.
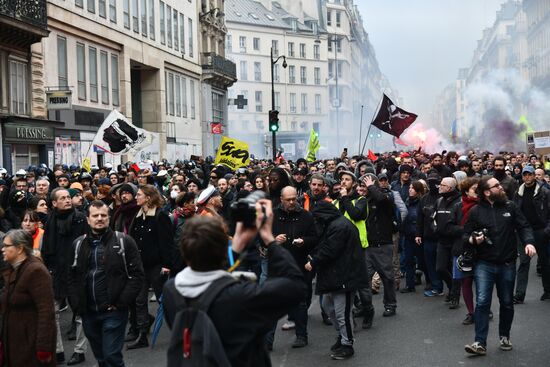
194 340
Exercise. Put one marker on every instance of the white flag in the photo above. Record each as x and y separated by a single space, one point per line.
119 136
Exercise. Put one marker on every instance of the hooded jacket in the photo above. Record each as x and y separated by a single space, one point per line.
448 217
541 201
370 168
380 216
338 258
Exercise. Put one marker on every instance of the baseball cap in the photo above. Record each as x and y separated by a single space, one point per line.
528 169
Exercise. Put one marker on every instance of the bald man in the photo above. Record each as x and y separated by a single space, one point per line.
448 214
539 176
294 229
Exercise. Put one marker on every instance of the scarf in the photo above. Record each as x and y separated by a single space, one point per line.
467 204
58 224
191 283
125 213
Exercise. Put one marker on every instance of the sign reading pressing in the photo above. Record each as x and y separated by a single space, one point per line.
14 132
59 100
232 153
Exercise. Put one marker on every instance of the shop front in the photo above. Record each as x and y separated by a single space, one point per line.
27 142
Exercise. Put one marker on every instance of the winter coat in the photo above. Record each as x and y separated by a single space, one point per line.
402 188
410 222
124 274
541 201
245 311
448 218
308 201
296 224
28 315
338 258
380 217
424 227
502 221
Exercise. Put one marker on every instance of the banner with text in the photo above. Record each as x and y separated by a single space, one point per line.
232 153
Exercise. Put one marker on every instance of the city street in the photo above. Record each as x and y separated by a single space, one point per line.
424 333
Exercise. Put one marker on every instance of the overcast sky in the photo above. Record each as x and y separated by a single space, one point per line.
421 44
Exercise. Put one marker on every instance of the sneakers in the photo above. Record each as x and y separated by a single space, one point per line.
505 343
433 293
518 300
389 311
289 325
344 352
300 342
476 348
469 320
545 296
454 304
337 345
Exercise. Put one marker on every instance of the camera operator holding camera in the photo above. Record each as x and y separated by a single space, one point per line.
242 312
491 229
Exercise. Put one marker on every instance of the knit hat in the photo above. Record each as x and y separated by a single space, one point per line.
405 168
126 187
73 192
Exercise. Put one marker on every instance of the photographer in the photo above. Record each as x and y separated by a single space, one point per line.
252 309
491 230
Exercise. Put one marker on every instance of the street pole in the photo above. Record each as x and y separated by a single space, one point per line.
273 133
337 95
360 130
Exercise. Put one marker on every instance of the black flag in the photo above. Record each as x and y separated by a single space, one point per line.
392 119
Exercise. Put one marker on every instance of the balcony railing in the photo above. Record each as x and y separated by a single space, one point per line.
219 64
28 11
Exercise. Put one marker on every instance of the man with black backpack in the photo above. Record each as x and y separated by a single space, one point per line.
215 319
104 279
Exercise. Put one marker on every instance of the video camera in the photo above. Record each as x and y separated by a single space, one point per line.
244 210
485 232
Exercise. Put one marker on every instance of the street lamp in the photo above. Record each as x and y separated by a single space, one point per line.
334 38
272 112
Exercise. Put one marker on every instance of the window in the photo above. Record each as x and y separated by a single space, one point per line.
143 10
102 8
293 126
242 43
92 55
228 44
340 68
135 18
176 31
294 25
275 46
316 52
339 45
329 18
152 19
258 98
218 102
126 13
304 102
178 96
318 103
104 63
162 22
276 73
91 6
303 50
112 10
184 97
192 96
169 26
331 69
260 125
114 80
317 76
18 87
291 74
278 101
256 44
257 72
291 49
190 43
62 78
79 3
338 19
292 102
81 70
182 34
303 75
246 125
170 94
244 73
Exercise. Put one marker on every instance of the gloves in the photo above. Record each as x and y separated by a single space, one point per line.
44 357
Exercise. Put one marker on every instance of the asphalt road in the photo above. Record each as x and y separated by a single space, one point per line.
423 333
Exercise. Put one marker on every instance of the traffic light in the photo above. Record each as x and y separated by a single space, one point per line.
274 121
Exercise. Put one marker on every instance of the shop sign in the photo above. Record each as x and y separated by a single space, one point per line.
59 100
28 133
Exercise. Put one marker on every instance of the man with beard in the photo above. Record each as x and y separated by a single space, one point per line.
63 226
492 230
125 213
509 185
227 198
437 164
315 193
300 182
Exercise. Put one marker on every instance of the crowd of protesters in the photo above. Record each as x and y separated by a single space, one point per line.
109 236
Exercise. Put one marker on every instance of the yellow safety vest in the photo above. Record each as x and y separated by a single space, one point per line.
360 224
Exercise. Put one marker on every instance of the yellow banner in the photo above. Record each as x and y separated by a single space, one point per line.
87 164
232 153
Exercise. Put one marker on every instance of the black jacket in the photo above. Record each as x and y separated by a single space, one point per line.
338 258
541 201
410 222
357 211
244 312
124 274
503 222
424 226
380 216
448 216
296 224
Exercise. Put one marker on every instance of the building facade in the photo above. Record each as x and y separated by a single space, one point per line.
140 57
27 137
538 38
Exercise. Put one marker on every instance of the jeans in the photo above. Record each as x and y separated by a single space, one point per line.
412 251
430 255
486 275
105 332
